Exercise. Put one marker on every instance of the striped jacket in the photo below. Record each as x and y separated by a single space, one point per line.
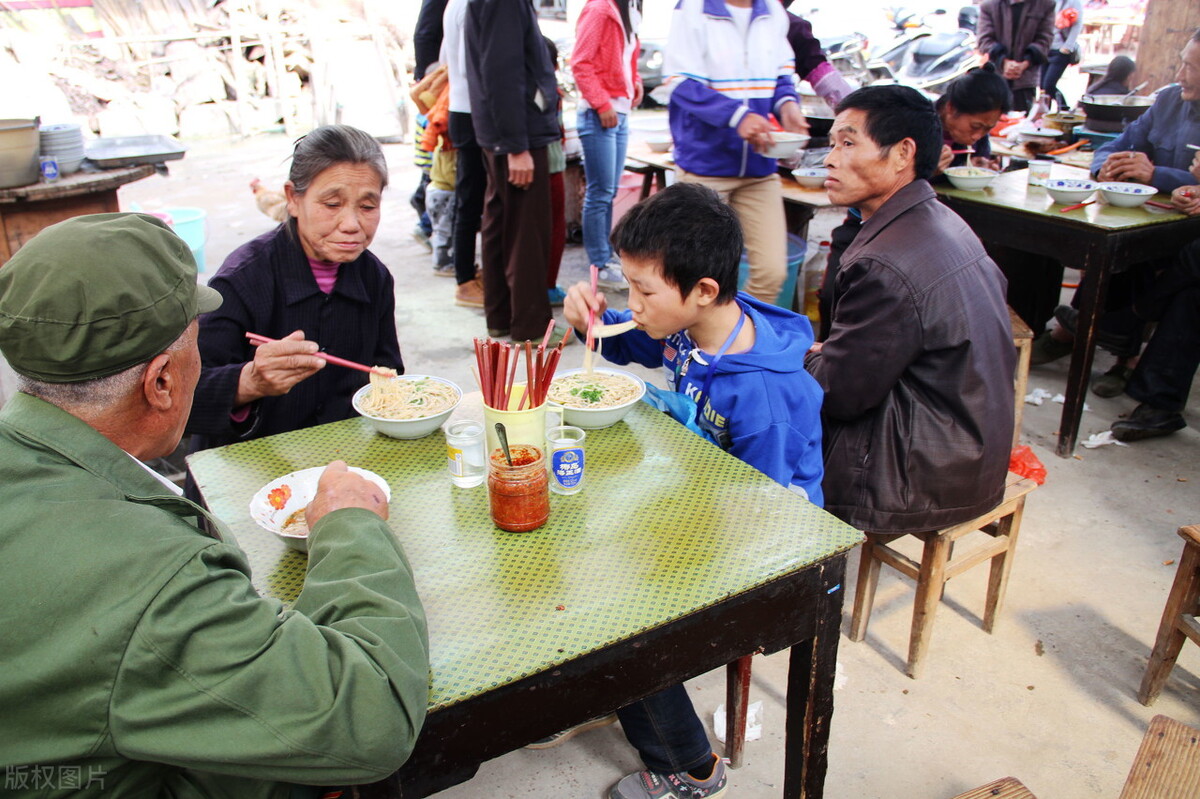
717 76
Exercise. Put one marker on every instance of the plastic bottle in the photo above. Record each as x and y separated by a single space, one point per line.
814 273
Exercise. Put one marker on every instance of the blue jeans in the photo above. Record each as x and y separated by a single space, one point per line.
603 163
666 731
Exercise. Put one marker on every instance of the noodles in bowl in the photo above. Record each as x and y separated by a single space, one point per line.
596 400
407 406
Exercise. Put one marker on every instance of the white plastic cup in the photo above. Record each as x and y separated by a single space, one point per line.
464 454
1039 171
565 458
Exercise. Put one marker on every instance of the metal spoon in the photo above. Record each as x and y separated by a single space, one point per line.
1135 90
503 435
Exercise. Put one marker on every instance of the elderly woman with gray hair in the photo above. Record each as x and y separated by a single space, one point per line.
312 284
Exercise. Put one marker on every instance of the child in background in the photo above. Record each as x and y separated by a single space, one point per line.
424 94
737 365
439 195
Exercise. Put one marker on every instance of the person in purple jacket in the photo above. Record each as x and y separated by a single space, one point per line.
312 284
730 67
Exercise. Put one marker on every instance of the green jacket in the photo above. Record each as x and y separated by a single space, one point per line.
136 659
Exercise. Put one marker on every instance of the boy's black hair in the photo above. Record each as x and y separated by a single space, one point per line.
691 232
978 91
895 113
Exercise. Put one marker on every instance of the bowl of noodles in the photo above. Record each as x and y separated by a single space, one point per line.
407 406
279 506
597 400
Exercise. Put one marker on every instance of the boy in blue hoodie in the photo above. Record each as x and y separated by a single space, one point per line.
737 365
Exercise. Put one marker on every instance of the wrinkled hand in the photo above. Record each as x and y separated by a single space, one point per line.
1135 167
1014 69
608 119
520 169
944 159
1187 200
755 129
793 119
341 488
580 300
277 366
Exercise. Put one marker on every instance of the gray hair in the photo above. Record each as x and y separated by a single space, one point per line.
328 146
96 394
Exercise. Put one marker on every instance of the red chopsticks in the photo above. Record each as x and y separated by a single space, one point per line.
382 371
1075 207
1164 206
496 370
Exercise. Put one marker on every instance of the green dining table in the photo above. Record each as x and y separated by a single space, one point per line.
1099 240
675 559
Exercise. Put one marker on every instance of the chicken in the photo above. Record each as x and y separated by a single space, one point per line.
271 203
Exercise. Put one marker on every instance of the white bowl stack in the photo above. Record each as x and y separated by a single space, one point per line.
65 142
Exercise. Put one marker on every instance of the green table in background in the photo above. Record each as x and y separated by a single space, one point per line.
675 559
1098 239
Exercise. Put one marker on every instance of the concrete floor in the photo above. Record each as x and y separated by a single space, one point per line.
1048 698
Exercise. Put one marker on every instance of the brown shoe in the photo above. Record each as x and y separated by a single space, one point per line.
469 294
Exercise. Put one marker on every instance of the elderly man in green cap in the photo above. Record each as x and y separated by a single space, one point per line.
137 657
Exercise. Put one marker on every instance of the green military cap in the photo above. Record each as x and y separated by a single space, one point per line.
95 295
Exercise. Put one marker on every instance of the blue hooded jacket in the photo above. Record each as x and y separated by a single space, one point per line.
764 407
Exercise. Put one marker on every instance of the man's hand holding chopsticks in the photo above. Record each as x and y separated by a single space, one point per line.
277 366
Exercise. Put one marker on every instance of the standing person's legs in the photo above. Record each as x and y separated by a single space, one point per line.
1053 71
440 205
603 163
469 190
558 233
666 731
759 206
497 305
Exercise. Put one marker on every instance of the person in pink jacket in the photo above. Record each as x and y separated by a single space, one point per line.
604 64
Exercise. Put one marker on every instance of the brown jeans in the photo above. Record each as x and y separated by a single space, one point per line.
515 244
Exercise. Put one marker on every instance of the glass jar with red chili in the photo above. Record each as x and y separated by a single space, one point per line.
519 494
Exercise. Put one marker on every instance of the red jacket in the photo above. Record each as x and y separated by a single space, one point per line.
596 56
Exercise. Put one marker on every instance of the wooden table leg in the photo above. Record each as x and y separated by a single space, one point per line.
737 692
1091 305
811 669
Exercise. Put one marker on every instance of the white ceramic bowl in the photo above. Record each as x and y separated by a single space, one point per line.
785 144
971 178
407 428
1126 195
811 177
599 418
659 144
1069 192
299 488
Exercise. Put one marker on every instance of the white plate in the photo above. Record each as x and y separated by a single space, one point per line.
303 485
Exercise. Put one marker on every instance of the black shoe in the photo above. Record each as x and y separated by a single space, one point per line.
1112 383
1147 422
1046 348
1068 317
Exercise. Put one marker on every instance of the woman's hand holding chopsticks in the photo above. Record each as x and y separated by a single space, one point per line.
277 366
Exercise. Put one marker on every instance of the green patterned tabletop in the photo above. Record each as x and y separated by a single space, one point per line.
667 524
1012 190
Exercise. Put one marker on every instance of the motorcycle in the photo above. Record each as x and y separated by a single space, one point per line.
923 58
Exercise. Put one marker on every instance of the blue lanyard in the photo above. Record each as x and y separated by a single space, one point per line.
712 365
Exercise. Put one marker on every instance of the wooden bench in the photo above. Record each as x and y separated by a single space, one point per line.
1178 619
1167 765
937 566
1005 788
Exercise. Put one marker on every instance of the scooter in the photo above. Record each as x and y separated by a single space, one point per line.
923 58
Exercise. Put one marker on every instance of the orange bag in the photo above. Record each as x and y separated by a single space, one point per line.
1022 461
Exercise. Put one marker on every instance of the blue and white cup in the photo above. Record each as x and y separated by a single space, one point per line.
565 458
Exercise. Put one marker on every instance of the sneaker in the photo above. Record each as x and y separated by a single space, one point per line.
567 734
444 270
469 294
557 296
1046 348
648 785
610 277
1112 383
422 236
1147 422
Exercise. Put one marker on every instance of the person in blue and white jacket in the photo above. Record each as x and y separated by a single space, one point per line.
729 66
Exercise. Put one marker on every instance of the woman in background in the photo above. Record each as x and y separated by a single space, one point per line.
1064 48
1116 78
604 65
969 108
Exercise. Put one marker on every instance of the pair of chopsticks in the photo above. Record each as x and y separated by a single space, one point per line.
495 370
375 370
591 339
1164 206
1075 207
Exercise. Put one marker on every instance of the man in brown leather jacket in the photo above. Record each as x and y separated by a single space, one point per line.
918 366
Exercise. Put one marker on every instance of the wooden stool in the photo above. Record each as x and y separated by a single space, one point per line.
1023 341
1002 523
1167 763
1006 788
1178 619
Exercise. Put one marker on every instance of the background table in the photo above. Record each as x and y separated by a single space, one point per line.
1099 240
675 559
25 210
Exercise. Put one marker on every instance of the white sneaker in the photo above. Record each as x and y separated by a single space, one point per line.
610 277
